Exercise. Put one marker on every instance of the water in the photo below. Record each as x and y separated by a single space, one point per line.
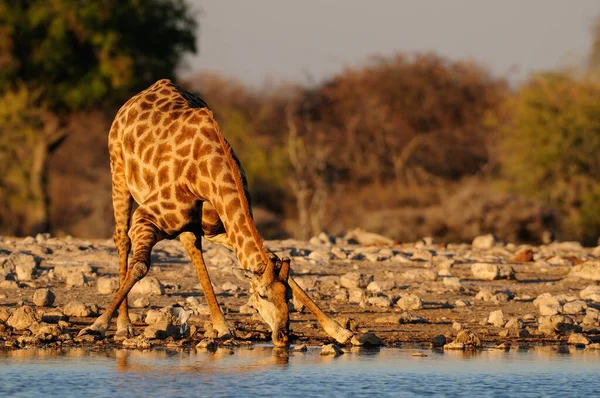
264 371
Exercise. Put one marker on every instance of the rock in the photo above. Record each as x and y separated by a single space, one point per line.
405 317
461 303
574 307
141 302
78 309
75 279
158 316
369 339
23 318
365 238
4 314
43 297
549 309
353 280
591 292
380 286
484 242
523 256
148 285
454 346
9 285
230 287
331 349
389 319
410 302
496 318
514 323
54 316
24 265
380 301
27 340
207 344
63 270
161 330
489 272
355 296
468 338
438 341
420 275
578 339
48 332
106 285
341 295
484 294
588 270
457 326
592 317
422 255
301 348
319 258
452 282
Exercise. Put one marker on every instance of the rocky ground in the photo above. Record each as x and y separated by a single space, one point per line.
486 293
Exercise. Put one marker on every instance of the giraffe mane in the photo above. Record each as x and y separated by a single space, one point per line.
239 186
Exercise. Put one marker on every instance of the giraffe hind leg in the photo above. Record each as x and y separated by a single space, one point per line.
122 203
144 235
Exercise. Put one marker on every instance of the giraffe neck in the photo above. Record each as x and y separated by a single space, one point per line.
231 203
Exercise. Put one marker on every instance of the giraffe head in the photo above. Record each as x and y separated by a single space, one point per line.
271 294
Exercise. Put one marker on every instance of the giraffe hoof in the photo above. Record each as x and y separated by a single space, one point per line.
224 331
124 332
96 329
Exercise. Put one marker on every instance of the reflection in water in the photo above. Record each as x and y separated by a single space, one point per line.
246 371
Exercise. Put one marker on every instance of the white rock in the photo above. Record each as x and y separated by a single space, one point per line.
230 287
381 286
23 264
43 297
514 323
355 296
353 280
331 349
380 301
148 285
591 292
75 279
484 295
106 285
23 318
141 302
484 242
489 272
410 302
78 309
588 270
452 282
420 275
578 339
574 307
496 318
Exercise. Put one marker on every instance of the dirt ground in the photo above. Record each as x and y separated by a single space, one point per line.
360 285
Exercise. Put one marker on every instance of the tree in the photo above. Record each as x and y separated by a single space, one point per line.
549 148
84 53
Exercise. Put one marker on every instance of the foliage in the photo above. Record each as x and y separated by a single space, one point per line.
550 142
85 53
23 143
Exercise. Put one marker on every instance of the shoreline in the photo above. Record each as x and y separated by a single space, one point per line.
409 295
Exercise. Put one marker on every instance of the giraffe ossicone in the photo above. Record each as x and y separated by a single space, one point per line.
168 154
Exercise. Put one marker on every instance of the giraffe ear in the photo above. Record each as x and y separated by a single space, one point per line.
284 272
269 274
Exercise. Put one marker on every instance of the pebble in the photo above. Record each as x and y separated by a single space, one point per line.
366 339
438 341
76 279
410 302
484 242
208 344
420 275
591 292
380 301
578 339
23 264
79 309
353 280
468 338
107 285
490 272
496 318
331 349
452 282
141 302
43 297
380 286
148 285
588 270
23 318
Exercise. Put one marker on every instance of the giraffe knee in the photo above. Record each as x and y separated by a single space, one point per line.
139 270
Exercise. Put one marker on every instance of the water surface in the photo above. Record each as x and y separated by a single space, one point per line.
264 371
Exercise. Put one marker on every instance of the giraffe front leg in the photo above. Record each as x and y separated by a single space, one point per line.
330 325
193 246
144 235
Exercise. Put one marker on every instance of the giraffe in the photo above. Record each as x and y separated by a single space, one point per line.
168 155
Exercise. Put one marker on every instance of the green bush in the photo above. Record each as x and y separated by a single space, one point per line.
549 144
23 142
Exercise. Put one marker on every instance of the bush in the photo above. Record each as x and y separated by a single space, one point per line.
549 144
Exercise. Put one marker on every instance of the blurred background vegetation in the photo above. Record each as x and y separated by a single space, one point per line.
408 145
